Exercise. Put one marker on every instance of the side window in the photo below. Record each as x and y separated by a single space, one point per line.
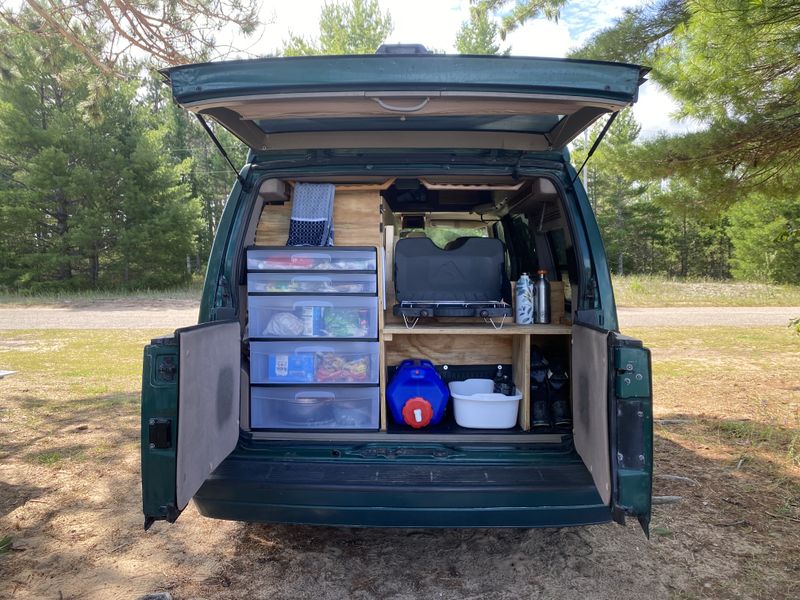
558 248
520 246
563 261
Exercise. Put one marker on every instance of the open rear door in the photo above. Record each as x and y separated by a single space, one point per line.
190 413
405 101
631 418
613 419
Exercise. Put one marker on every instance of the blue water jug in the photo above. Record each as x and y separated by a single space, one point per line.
417 396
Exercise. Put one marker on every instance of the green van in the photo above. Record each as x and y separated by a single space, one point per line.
276 407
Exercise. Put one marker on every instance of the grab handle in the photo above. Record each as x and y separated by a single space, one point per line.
312 303
300 349
402 109
314 394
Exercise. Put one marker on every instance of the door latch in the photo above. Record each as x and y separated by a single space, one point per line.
160 433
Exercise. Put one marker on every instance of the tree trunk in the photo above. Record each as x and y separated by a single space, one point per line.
94 267
62 227
684 266
620 222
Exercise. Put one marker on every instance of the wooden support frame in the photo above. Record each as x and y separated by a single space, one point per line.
360 222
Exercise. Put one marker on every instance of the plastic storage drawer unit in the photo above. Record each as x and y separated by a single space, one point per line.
312 283
281 316
300 259
303 362
314 408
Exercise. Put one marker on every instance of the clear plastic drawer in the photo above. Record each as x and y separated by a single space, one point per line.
303 316
327 283
311 259
301 362
314 408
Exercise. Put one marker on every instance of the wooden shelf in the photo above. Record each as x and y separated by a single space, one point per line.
390 330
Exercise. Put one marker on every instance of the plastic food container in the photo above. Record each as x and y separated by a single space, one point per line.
327 283
301 362
299 259
314 408
477 406
330 316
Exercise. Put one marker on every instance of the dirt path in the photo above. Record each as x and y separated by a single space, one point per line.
101 315
182 313
729 316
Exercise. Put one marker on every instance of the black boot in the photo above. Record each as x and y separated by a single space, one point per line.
540 408
558 384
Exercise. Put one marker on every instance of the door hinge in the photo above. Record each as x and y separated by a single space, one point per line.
160 433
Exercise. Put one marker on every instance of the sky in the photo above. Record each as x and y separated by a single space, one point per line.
435 23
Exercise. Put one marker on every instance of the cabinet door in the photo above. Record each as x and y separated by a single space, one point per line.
190 413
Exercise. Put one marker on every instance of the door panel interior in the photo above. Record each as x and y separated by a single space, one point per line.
590 404
208 402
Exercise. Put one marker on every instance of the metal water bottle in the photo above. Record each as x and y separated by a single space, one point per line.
524 294
542 293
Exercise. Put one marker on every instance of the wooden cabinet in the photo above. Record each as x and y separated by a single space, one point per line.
474 344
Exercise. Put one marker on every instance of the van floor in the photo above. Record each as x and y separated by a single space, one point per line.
436 475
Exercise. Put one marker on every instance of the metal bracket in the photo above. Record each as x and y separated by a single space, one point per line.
160 433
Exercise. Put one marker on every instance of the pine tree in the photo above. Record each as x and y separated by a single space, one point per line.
357 27
478 35
90 199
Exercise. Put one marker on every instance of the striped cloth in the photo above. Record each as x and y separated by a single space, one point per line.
311 222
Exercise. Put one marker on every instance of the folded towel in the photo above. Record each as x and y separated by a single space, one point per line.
311 223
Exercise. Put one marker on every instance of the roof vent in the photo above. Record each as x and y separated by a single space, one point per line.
402 49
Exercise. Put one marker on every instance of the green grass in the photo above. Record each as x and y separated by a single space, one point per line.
649 290
191 292
5 544
91 360
75 397
49 458
739 382
687 351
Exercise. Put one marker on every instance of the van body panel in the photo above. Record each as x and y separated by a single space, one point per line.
352 119
631 417
159 428
539 104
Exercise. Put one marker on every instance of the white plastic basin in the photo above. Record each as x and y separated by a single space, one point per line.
477 406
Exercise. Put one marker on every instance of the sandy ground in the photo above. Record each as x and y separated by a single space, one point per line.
77 527
122 315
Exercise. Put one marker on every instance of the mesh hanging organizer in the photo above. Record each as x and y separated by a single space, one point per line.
311 223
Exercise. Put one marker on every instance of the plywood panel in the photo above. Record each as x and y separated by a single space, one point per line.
452 350
473 327
273 226
556 301
521 364
356 220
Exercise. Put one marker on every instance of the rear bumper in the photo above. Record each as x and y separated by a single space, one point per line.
396 494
